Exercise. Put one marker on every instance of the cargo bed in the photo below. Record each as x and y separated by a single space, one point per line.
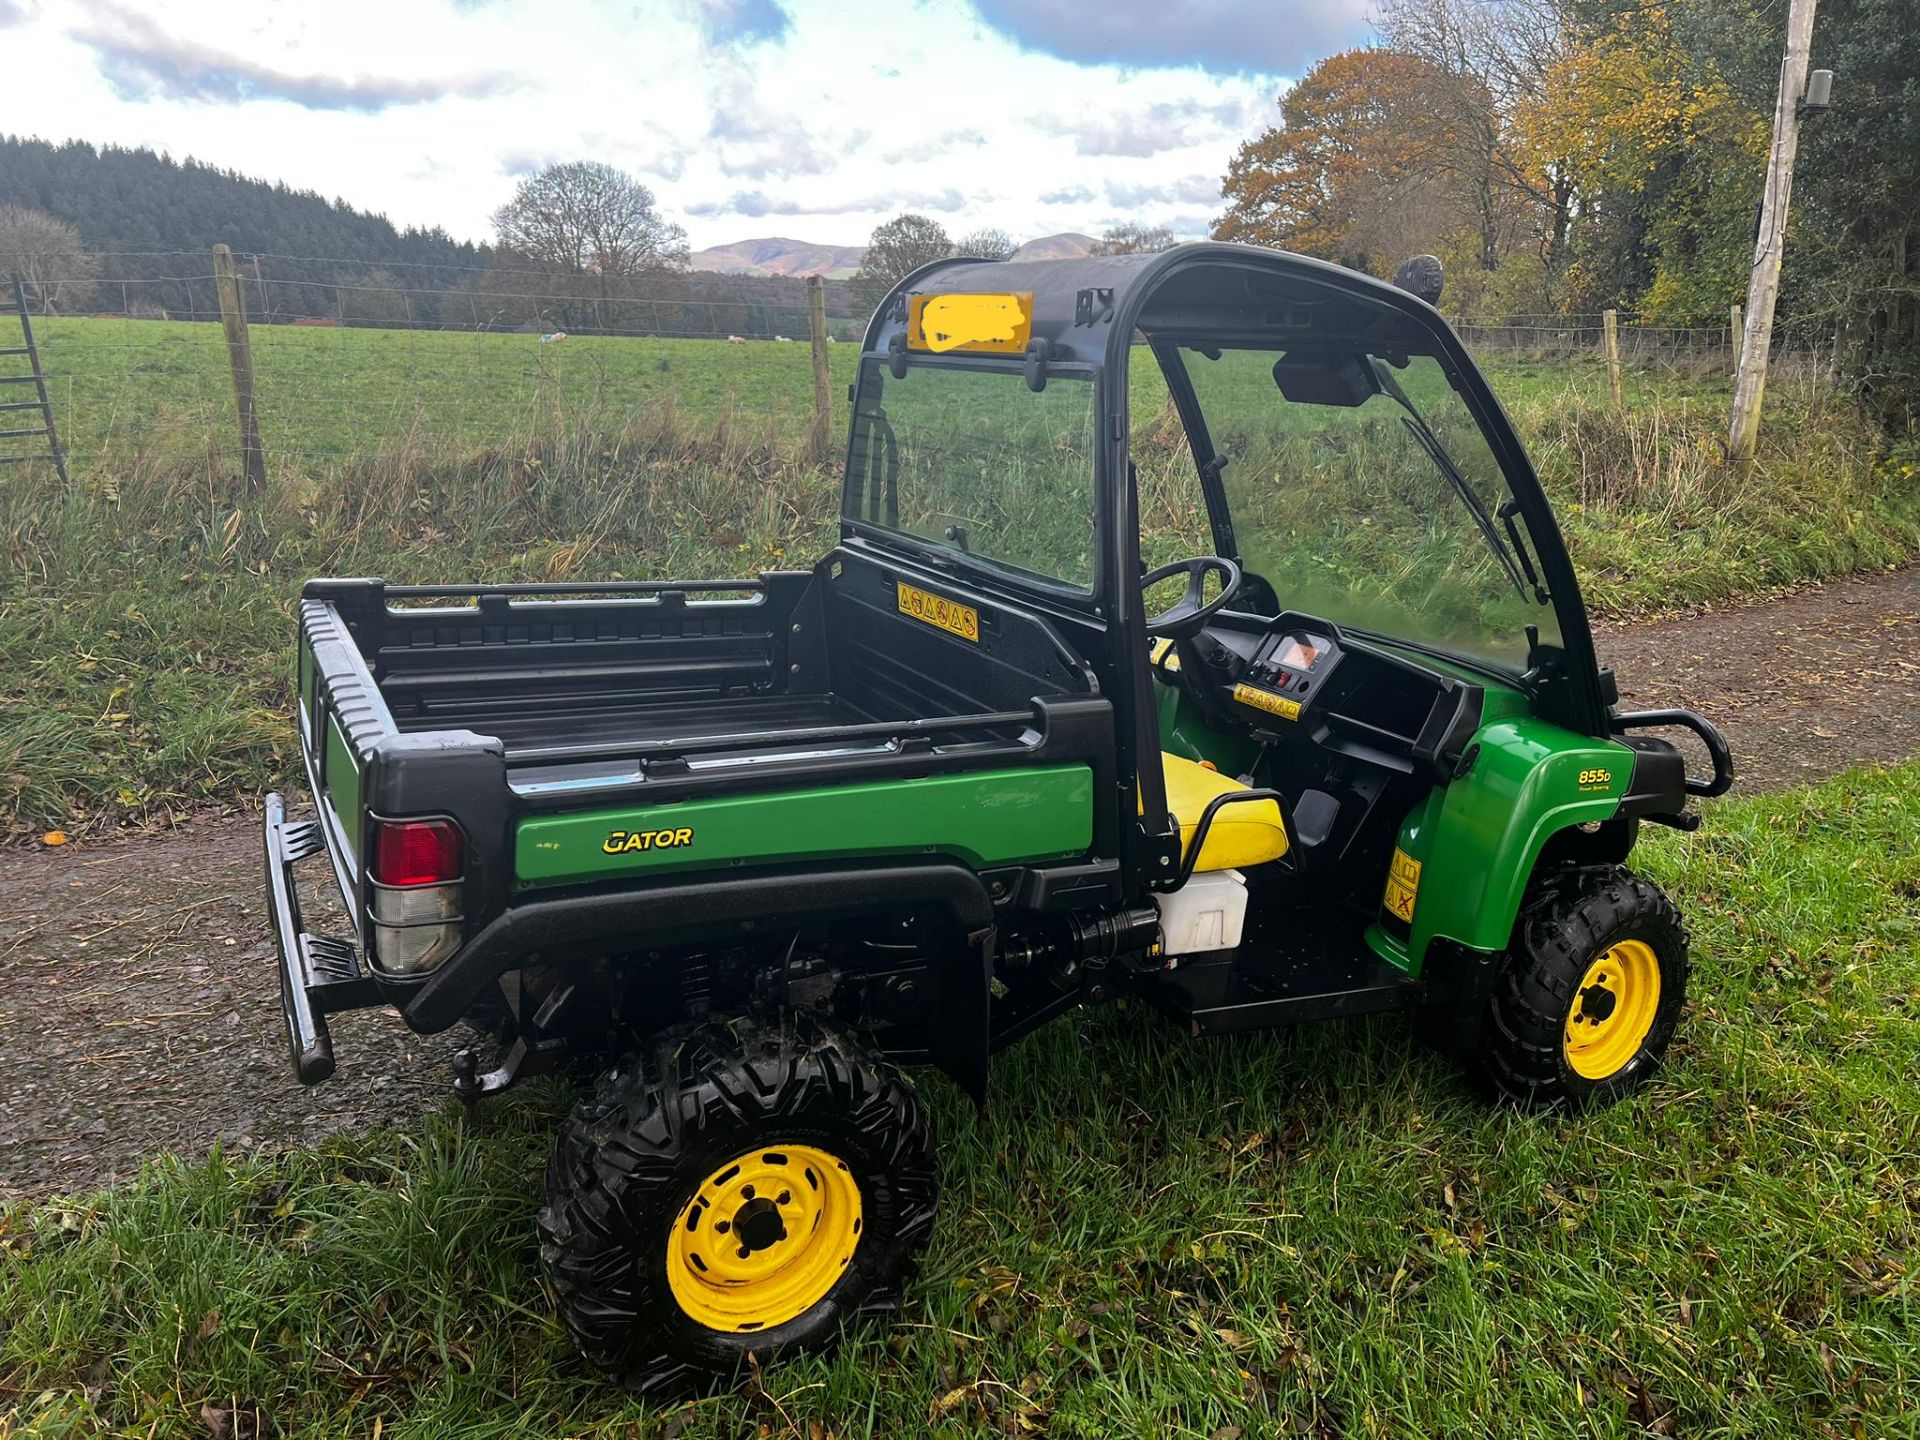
493 704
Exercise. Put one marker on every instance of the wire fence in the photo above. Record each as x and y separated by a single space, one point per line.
353 360
352 363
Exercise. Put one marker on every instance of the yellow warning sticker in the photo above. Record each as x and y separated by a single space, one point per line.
984 324
937 610
1403 884
1268 701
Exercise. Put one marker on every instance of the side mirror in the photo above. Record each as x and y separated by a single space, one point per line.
1423 277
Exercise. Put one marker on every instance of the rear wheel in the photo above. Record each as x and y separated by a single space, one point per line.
1589 993
735 1192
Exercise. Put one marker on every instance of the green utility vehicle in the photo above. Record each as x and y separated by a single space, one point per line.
1197 633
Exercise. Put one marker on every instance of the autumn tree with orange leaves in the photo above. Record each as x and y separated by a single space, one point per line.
1352 157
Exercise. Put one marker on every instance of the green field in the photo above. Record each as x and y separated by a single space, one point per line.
125 388
1318 1233
146 607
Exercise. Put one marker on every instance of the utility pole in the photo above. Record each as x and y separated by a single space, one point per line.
1763 290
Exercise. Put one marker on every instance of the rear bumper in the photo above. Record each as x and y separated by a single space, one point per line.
318 975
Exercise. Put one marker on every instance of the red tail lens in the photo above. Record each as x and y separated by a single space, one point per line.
416 852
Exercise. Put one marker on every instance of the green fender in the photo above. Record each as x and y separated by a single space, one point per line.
1475 840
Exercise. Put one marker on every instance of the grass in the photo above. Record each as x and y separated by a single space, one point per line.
1320 1232
146 608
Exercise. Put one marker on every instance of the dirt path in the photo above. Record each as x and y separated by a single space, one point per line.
139 1010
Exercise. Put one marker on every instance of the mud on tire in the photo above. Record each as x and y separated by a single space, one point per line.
1573 917
633 1153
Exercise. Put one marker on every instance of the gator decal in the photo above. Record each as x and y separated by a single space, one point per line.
980 817
621 841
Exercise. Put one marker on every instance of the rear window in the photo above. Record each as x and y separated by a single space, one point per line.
968 459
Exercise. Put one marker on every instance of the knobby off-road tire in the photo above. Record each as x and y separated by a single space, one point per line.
1589 993
654 1155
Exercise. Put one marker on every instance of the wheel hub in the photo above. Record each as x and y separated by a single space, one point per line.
1613 1010
764 1238
1596 1004
758 1225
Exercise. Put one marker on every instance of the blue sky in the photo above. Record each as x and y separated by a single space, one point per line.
805 118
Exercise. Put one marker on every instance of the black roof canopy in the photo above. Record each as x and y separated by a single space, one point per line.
1198 290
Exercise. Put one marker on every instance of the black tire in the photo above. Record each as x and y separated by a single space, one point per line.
634 1154
1574 917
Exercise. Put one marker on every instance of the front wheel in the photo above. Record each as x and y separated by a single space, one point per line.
1589 993
737 1191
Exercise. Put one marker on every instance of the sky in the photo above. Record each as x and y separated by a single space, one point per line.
813 119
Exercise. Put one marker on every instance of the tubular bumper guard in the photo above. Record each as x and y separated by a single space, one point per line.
318 975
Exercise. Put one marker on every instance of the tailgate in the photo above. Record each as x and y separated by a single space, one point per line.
341 719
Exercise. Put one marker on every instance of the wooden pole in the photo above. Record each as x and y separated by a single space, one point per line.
1733 336
1611 328
822 438
1763 290
233 319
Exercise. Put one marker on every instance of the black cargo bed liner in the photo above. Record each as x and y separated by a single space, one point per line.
645 725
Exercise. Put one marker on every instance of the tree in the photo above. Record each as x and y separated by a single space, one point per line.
894 251
1853 260
988 244
47 255
589 218
1356 142
376 297
1487 58
1665 160
600 242
1132 238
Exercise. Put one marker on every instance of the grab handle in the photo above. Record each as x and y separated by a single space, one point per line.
1709 734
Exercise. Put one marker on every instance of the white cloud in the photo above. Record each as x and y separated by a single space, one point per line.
429 111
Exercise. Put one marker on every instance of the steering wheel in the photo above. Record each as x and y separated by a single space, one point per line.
1189 615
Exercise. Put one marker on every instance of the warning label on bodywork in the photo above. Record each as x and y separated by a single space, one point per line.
948 615
1403 884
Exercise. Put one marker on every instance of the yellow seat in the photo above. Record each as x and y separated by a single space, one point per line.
1248 833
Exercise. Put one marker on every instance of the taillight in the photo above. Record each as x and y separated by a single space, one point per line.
414 901
416 852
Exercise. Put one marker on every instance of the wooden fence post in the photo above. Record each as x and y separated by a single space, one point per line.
233 319
821 440
1611 324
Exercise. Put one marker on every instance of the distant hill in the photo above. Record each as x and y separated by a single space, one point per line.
776 255
1067 245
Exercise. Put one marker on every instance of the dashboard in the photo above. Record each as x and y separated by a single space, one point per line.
1293 677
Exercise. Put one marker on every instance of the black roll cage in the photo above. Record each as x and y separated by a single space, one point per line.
1074 301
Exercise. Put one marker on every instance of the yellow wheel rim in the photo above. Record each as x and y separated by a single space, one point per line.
764 1238
1613 1010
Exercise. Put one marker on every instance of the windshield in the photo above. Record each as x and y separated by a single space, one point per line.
1364 491
971 460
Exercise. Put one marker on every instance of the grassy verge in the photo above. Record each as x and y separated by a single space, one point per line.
146 614
1320 1232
